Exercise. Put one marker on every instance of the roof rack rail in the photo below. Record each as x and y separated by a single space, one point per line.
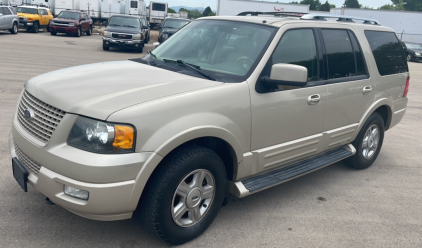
340 18
285 13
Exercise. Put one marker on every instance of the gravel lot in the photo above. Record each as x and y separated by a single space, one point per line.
333 207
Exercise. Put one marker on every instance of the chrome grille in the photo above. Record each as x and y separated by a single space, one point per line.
46 119
32 166
122 36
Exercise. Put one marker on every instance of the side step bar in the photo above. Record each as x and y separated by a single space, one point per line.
263 181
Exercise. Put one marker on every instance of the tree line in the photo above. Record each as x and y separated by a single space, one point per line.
195 13
408 5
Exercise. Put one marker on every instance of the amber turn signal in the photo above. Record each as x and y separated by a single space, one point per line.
123 137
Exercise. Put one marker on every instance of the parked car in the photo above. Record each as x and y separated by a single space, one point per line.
171 26
413 51
73 22
237 104
33 18
126 31
9 19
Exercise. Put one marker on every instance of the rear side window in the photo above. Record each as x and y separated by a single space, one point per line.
388 53
6 11
344 56
1 10
13 10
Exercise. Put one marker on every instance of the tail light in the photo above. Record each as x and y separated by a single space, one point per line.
406 88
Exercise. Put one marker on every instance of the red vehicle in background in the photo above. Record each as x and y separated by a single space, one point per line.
73 22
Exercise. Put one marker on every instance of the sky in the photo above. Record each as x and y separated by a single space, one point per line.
213 3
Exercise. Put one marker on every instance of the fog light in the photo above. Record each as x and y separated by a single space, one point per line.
77 193
106 42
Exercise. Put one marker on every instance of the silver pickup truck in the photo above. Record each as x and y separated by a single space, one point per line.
9 19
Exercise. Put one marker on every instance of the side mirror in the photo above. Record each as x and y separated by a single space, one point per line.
155 45
286 74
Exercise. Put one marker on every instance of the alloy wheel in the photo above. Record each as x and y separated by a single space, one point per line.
370 141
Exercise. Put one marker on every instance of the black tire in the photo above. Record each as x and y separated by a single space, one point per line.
14 29
89 32
157 199
140 49
106 48
35 27
48 27
53 33
79 33
358 161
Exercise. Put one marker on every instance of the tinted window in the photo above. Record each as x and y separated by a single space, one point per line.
69 15
296 47
1 10
340 54
174 23
27 10
13 10
125 22
360 65
388 53
133 4
158 7
6 11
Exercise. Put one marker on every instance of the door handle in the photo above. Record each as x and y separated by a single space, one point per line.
314 99
367 89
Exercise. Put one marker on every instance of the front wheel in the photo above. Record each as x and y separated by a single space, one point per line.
14 29
106 48
184 195
53 33
368 143
409 57
36 27
79 32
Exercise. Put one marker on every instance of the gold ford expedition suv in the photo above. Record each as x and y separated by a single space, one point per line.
227 104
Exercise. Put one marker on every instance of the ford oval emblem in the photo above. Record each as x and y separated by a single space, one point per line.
29 114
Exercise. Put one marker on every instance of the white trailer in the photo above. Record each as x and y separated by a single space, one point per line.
12 2
234 7
56 6
407 24
136 7
157 13
92 7
183 14
111 7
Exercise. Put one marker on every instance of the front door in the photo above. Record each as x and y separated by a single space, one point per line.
2 19
287 122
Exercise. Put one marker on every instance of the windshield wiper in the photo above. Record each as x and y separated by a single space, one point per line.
153 55
114 25
130 26
192 67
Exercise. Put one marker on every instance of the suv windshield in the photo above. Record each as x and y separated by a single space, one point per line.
68 15
414 46
125 22
227 50
27 10
172 23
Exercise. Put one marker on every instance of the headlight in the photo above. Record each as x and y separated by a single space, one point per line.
417 54
25 19
165 36
107 34
101 137
52 23
137 36
71 24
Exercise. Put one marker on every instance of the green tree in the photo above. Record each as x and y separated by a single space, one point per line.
351 4
366 7
325 7
332 6
207 11
170 10
194 14
411 5
313 4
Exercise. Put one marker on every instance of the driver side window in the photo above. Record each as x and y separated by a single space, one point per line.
296 47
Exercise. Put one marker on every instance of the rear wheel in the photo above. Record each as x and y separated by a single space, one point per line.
35 27
184 195
89 32
14 29
368 143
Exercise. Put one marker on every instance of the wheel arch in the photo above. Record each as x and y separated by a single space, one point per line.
384 108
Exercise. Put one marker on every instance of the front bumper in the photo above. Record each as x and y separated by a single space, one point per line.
114 182
25 24
67 30
416 57
112 42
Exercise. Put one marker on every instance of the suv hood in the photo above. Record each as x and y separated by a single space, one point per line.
65 20
98 90
125 30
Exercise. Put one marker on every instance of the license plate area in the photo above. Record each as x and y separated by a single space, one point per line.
20 173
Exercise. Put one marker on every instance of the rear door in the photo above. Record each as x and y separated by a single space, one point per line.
351 90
